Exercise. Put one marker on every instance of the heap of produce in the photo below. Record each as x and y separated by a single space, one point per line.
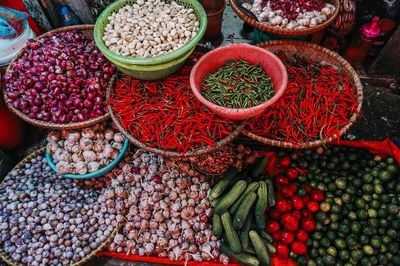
150 28
165 114
84 151
359 221
237 84
290 14
292 219
166 212
218 162
59 78
240 201
48 220
318 103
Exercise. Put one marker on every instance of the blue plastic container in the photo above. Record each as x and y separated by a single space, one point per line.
98 173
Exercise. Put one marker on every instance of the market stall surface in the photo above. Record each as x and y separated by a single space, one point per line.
379 120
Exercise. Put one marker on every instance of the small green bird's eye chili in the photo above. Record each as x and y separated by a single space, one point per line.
238 84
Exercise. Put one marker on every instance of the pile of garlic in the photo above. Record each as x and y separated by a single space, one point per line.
150 28
276 17
84 151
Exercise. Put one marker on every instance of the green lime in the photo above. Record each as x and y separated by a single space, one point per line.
332 251
368 250
376 242
360 203
367 178
355 227
356 255
340 243
372 213
385 175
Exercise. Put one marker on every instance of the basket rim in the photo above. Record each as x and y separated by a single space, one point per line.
95 174
352 74
3 255
98 38
264 27
151 68
193 153
44 124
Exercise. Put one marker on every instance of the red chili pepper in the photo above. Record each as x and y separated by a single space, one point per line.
287 191
298 248
297 202
282 205
281 180
282 250
287 237
289 222
272 226
301 235
313 206
317 195
308 224
292 174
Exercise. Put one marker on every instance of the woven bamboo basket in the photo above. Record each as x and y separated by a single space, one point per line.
86 29
264 27
3 255
321 55
236 132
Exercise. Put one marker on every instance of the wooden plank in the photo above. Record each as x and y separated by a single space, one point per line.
388 61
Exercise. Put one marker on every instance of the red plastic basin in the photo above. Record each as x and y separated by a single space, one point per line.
215 59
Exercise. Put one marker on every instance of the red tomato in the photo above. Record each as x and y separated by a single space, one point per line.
301 235
293 187
297 202
313 206
282 205
276 236
281 180
282 250
297 214
272 226
289 222
307 188
299 248
308 224
274 214
285 161
306 213
292 174
287 192
306 199
287 237
317 195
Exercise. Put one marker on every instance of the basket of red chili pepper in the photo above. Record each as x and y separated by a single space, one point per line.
322 101
164 117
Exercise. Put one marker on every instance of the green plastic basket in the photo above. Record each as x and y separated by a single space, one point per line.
152 72
102 21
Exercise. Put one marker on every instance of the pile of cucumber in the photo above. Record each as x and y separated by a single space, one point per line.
359 221
240 201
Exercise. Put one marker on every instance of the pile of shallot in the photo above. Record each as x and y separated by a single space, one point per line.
166 212
291 14
85 151
49 220
60 78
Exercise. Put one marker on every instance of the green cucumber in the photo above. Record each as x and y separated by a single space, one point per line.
244 234
231 235
259 247
252 187
217 225
271 193
244 209
242 257
261 205
222 185
230 198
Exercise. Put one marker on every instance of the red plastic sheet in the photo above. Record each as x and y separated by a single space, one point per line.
383 148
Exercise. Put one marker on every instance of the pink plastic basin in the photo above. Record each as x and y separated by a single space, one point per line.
215 59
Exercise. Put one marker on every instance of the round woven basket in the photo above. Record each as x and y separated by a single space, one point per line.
320 55
86 29
3 255
264 27
165 153
102 21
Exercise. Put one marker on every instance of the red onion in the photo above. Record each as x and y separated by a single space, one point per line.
60 78
291 9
